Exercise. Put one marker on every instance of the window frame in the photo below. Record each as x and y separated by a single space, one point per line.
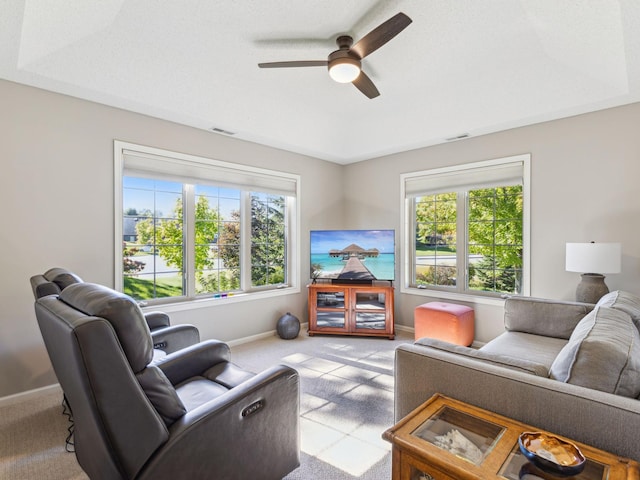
407 232
190 300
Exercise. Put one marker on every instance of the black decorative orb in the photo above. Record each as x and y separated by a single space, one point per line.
288 326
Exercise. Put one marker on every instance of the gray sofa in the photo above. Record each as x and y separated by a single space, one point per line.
570 368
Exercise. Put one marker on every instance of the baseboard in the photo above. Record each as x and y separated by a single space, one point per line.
29 394
260 336
403 328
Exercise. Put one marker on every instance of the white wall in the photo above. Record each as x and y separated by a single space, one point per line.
584 186
56 164
56 189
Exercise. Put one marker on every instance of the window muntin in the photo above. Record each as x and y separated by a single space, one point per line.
495 239
183 238
268 240
217 239
152 233
470 237
435 240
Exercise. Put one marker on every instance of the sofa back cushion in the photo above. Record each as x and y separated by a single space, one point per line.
535 348
543 317
625 302
603 353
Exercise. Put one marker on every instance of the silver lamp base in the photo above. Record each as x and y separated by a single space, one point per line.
591 288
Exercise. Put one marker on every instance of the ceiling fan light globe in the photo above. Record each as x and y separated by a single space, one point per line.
344 72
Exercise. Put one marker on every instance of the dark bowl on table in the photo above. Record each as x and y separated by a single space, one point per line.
552 454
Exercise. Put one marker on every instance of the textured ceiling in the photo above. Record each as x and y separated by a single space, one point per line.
462 67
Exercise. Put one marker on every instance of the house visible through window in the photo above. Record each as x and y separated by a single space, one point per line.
467 228
193 227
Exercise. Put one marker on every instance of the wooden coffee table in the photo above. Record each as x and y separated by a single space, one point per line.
492 454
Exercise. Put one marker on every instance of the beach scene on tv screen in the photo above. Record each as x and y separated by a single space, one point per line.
349 255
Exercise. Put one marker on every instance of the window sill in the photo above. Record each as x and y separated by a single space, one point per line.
218 301
462 297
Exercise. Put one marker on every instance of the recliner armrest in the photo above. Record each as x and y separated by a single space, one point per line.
194 360
175 337
256 424
157 320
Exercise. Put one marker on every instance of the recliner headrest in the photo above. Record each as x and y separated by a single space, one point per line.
61 277
121 311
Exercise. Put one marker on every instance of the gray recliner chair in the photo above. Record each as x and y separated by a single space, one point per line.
166 337
193 414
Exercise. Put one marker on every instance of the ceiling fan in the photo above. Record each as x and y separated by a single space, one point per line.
345 64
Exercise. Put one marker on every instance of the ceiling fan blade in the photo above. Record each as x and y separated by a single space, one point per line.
381 35
295 63
366 86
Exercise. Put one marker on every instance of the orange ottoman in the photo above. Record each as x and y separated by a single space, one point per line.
444 321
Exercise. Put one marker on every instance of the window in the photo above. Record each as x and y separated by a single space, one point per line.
467 228
189 227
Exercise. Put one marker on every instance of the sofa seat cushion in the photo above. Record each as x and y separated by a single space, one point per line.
534 348
603 353
513 363
625 302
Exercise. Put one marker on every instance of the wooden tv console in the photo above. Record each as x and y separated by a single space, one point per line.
347 309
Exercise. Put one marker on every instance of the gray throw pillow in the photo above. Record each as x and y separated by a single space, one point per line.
625 302
603 353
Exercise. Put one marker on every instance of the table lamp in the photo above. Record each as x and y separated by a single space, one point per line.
589 258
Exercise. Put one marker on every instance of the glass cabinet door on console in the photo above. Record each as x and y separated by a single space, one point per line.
351 310
330 308
370 310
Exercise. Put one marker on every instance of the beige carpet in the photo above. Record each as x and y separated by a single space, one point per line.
32 440
346 404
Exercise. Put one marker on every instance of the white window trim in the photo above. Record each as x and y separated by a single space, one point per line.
407 221
293 249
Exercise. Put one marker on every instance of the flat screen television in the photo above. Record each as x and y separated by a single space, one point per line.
352 256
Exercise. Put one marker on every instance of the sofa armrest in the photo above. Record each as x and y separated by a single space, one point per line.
550 318
520 364
194 360
175 337
257 425
603 420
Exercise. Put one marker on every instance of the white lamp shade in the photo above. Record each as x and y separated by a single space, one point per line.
593 257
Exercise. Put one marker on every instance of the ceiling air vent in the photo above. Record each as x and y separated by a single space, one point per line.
220 130
458 137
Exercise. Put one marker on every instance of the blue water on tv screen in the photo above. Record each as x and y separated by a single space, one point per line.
353 255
